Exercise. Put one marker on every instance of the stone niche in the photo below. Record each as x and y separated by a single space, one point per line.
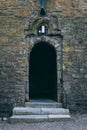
44 30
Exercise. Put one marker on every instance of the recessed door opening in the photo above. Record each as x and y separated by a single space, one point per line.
43 72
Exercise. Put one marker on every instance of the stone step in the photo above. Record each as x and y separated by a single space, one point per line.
43 104
39 111
38 118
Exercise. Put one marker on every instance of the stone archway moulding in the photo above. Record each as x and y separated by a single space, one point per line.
52 38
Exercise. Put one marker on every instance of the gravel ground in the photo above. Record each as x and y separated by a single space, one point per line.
78 122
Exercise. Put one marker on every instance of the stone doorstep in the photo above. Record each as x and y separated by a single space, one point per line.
41 105
37 118
39 111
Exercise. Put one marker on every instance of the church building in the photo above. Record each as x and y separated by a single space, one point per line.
43 58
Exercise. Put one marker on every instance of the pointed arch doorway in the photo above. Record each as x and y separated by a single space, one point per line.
43 72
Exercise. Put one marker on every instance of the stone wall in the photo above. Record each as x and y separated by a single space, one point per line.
15 17
12 55
75 60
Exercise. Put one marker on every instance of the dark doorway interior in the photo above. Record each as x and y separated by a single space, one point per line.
43 72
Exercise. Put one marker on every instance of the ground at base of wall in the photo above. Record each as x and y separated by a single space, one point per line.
78 122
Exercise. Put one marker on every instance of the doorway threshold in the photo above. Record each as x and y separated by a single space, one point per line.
43 103
39 100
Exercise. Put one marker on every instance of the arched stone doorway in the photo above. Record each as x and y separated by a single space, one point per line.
43 72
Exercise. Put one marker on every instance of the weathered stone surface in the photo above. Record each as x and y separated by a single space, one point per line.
59 117
38 118
39 111
28 118
26 111
71 19
42 104
29 114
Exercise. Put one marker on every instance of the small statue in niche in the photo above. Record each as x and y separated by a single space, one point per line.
42 11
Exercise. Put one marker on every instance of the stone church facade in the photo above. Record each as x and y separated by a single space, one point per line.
59 70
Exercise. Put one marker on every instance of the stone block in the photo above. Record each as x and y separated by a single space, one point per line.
54 111
26 111
43 104
59 117
28 118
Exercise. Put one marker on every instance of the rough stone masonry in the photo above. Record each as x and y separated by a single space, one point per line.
15 17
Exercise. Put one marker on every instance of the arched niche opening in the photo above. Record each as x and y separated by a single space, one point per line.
43 72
